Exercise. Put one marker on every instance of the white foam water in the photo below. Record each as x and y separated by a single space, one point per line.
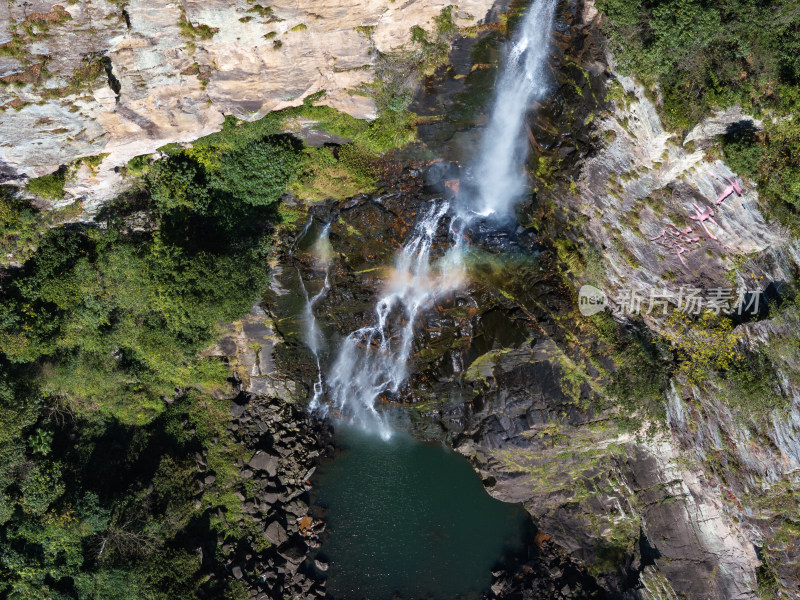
372 360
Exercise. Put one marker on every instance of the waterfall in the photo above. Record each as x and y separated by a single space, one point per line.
498 172
313 335
372 361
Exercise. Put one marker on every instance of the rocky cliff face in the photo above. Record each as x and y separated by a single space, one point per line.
690 506
123 78
696 509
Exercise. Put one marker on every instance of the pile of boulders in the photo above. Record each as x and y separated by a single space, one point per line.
284 447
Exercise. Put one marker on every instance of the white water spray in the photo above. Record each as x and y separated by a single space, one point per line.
372 361
499 172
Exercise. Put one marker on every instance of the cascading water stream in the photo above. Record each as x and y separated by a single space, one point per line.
313 335
498 172
372 361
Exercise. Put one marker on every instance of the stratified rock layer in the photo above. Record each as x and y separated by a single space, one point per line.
125 78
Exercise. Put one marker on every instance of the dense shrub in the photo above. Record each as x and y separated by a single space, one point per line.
115 322
216 180
706 53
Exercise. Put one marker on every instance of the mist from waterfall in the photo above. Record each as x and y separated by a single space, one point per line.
372 361
498 172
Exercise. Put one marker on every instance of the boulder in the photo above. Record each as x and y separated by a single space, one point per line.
297 508
276 533
294 552
262 461
237 410
321 564
270 498
437 174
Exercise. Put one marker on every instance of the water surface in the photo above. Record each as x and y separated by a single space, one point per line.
411 520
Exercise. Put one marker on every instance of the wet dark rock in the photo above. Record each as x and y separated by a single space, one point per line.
435 176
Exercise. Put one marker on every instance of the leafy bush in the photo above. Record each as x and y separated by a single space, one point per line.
704 345
641 374
779 167
222 180
742 152
751 381
706 53
772 159
117 321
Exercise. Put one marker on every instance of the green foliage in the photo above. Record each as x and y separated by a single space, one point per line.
90 72
91 161
123 524
113 584
175 574
236 591
772 159
751 383
742 152
641 374
261 11
40 441
114 321
125 316
704 346
49 186
191 31
779 170
707 53
323 176
138 166
100 335
19 227
431 49
40 488
767 582
222 175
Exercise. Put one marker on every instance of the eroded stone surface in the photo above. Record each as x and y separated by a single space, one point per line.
174 86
